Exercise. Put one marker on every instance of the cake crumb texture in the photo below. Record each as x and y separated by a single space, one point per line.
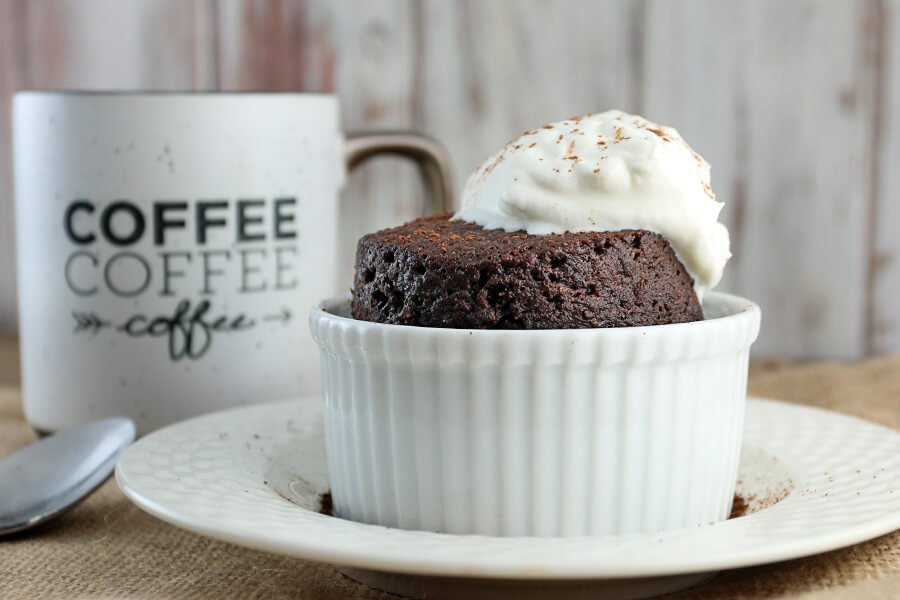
435 272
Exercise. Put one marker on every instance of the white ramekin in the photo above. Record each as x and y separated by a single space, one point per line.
540 432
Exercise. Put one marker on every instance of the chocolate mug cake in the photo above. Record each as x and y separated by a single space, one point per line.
437 272
601 220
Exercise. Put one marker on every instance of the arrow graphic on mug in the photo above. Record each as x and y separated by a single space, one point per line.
88 321
285 316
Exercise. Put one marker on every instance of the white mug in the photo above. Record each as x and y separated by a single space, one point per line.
171 245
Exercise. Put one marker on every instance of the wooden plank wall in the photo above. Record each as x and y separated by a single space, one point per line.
796 103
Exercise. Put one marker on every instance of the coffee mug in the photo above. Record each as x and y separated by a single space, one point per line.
171 245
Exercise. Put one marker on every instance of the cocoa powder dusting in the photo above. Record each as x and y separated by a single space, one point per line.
326 506
739 507
620 135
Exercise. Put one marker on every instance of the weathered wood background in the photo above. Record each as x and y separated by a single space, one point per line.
795 103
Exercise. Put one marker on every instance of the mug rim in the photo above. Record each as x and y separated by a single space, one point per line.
736 308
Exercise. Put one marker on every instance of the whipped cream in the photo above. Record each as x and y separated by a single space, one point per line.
604 172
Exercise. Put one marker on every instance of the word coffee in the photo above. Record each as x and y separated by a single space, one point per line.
195 246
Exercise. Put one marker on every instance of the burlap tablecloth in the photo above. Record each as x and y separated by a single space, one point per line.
106 547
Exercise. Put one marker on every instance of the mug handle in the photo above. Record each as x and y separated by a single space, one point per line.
429 155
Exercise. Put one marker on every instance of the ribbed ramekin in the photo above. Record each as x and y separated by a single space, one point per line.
540 432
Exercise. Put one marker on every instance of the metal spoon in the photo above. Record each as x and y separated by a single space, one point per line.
43 480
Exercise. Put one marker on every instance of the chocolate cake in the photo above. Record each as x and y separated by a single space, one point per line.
435 272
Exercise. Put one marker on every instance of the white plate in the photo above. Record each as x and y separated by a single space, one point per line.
254 476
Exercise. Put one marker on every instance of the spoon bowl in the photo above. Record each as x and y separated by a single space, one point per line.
43 480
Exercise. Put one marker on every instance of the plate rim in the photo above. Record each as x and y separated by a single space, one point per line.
346 555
